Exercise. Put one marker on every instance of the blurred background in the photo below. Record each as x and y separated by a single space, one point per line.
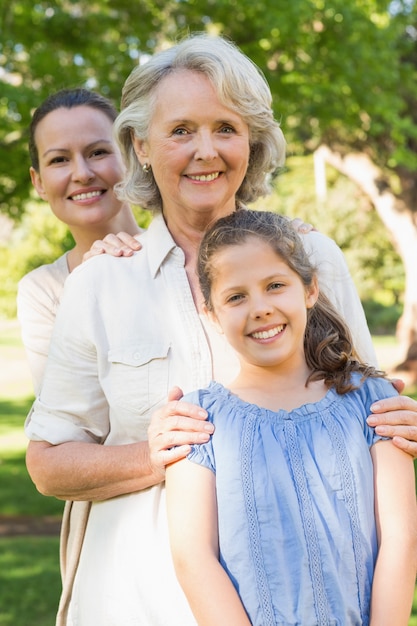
343 77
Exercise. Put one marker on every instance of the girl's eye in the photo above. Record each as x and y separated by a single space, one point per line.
235 298
276 286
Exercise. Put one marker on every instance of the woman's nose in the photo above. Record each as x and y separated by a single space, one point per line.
205 147
82 171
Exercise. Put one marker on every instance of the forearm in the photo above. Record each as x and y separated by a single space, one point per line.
88 471
393 585
211 595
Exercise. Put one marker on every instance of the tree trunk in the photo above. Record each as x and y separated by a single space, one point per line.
399 220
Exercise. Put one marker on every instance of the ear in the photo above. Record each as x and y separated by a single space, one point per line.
37 183
140 147
213 319
312 293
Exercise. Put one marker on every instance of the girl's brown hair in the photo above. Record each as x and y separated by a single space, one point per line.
328 345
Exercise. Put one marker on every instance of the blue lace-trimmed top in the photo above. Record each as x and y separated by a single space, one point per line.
296 504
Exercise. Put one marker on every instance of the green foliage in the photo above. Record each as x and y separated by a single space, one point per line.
40 238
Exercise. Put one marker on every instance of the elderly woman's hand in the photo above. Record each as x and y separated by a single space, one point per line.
396 417
121 244
173 428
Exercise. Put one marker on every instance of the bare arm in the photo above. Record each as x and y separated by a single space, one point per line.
192 519
396 417
91 471
396 517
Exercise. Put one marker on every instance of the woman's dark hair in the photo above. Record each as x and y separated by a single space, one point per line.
66 99
328 345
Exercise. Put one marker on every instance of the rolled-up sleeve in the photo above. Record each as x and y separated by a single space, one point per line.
71 405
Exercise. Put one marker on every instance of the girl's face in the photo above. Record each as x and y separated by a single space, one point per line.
79 164
260 304
198 148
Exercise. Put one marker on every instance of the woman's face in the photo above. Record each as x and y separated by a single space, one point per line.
197 147
79 164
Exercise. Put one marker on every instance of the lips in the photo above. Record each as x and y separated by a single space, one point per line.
268 334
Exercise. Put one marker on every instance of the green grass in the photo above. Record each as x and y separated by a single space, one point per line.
30 582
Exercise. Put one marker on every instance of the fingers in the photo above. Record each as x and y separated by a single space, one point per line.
407 446
174 428
175 394
390 407
396 418
121 244
96 249
398 384
127 241
301 227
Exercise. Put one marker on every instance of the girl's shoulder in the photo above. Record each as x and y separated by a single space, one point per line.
372 389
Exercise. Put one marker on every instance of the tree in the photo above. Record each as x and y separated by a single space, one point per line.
343 76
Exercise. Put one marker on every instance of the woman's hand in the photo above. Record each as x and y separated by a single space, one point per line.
121 244
301 227
173 428
397 418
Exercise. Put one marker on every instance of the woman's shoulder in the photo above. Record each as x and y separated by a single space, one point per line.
320 244
49 276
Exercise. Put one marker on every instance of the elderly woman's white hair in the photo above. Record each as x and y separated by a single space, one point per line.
240 86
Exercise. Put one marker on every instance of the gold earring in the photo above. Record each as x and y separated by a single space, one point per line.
146 167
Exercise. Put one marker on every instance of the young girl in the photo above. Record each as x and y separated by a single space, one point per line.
295 512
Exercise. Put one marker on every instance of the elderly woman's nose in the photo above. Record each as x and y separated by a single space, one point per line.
205 147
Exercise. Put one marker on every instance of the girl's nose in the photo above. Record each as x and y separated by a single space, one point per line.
261 308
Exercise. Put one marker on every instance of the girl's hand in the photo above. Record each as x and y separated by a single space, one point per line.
121 244
397 418
173 428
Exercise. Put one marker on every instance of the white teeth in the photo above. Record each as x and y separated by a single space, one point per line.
85 196
267 334
205 177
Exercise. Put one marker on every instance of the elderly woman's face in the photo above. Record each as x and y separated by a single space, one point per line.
198 148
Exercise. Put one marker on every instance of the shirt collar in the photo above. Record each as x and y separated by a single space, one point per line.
160 244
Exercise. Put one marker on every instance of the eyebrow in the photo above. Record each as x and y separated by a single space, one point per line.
87 147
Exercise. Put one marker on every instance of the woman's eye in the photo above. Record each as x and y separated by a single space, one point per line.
58 159
180 131
275 285
99 152
227 130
